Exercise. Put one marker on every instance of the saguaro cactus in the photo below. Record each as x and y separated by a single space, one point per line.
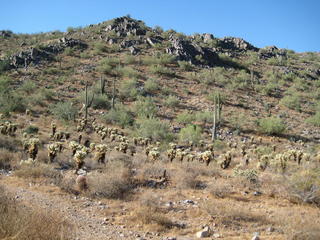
102 85
88 102
216 116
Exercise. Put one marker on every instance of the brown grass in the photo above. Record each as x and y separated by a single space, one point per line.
37 171
114 182
17 222
8 159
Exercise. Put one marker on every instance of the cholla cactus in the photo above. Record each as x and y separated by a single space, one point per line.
190 157
171 153
53 129
154 154
180 154
74 147
92 147
123 147
79 157
53 151
32 147
100 153
226 160
207 157
280 161
8 128
263 162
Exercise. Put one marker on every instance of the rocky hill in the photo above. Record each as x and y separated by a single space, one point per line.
151 109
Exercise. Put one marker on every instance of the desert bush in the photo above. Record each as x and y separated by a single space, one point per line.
9 143
100 101
129 59
7 158
120 115
31 129
271 126
160 59
292 102
190 133
23 223
185 118
220 188
171 101
115 182
64 111
145 107
4 65
151 86
129 89
28 86
161 70
38 170
187 178
204 116
314 120
304 186
153 218
99 48
153 128
127 72
185 66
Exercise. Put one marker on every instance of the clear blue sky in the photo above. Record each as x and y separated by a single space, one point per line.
292 24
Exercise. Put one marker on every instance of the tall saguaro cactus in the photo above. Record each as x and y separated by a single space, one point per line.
88 102
102 85
216 116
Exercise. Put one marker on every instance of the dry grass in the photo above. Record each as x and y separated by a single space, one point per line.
114 182
220 188
8 158
233 216
37 171
17 222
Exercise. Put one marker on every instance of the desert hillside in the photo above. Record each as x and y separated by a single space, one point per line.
122 131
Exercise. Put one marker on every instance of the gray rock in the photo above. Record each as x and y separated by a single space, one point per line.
133 50
205 232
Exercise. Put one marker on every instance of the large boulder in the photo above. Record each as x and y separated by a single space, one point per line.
191 52
271 51
5 33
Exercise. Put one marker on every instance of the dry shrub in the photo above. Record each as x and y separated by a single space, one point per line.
68 184
304 186
187 177
9 143
231 215
17 222
38 170
114 182
7 159
152 218
220 188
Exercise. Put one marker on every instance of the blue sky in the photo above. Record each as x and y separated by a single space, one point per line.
292 24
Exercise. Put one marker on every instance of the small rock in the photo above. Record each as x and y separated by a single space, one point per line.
256 193
270 229
205 232
188 201
217 235
256 236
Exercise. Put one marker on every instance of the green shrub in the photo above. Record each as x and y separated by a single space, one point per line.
204 116
151 86
120 116
64 111
99 48
292 102
145 108
171 101
271 126
190 133
129 59
128 89
31 129
314 120
185 66
4 65
100 101
161 70
185 118
28 86
153 128
127 72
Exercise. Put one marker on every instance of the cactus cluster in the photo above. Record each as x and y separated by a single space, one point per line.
53 150
31 146
100 153
8 128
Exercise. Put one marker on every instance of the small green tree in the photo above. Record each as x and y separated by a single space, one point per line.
190 133
271 126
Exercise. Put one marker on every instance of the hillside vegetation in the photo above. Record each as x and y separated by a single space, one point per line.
181 131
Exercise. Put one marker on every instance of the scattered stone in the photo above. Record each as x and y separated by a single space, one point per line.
133 50
256 236
270 229
205 232
257 193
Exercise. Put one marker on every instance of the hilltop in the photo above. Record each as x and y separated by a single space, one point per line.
147 93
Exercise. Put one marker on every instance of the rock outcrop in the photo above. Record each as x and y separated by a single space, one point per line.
191 52
5 33
271 51
35 55
236 44
126 26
